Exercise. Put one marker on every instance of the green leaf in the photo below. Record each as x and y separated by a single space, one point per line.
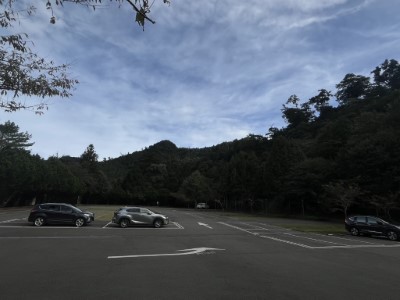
140 17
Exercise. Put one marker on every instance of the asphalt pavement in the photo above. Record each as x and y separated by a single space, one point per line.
199 255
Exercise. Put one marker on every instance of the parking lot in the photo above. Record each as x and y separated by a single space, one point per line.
201 254
17 218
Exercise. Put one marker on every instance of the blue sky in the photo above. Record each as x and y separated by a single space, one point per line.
207 72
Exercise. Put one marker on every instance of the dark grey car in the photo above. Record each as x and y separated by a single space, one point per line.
368 225
59 213
126 216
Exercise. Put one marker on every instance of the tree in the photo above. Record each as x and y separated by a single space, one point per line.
341 196
298 114
89 155
11 138
352 87
134 184
195 188
245 179
387 75
385 203
321 100
19 176
89 159
142 8
332 137
304 182
24 73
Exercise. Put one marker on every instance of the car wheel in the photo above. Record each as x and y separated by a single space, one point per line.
79 222
158 223
392 235
39 221
354 231
124 223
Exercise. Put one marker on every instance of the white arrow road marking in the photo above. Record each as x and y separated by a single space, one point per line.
200 250
205 225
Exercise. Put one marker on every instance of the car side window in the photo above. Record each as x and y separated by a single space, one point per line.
66 209
54 207
372 221
133 210
361 219
144 211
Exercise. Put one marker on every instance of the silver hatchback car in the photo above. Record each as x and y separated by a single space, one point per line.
127 216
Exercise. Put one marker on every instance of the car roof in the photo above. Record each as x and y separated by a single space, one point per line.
128 207
132 207
367 216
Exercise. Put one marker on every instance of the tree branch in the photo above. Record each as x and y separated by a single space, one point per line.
140 12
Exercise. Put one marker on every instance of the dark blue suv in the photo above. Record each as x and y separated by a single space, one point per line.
59 213
368 225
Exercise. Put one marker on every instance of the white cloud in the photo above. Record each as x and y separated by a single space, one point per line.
207 72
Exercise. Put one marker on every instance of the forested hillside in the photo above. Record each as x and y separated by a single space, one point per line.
339 152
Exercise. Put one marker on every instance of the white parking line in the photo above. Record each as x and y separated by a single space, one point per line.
8 221
275 227
12 220
287 242
358 246
255 226
312 239
267 237
106 224
238 228
335 246
347 239
50 227
178 226
52 237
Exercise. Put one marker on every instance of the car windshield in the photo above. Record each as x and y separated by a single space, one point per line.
376 221
77 209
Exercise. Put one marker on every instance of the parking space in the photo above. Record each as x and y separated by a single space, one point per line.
309 240
226 248
202 222
171 225
19 219
23 223
10 221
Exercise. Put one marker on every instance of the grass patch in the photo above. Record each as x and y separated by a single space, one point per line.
316 228
239 216
102 213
